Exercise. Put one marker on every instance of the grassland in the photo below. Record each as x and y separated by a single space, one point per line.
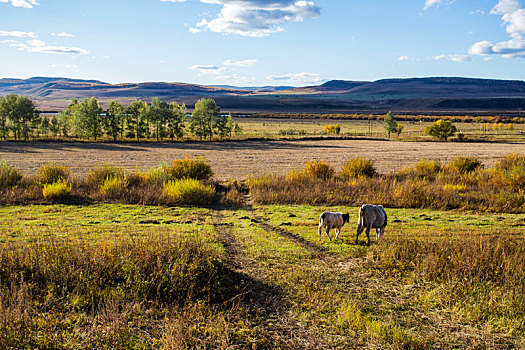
237 160
412 130
265 281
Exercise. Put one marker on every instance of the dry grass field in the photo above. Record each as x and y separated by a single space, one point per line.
237 160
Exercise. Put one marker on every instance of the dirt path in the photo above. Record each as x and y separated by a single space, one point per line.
237 160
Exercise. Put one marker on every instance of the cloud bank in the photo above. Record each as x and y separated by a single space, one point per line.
297 78
255 18
513 17
28 4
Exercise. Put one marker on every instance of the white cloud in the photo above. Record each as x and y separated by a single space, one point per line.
236 79
63 35
513 16
207 69
23 3
455 58
403 58
430 3
505 6
17 34
64 66
40 46
477 12
297 78
255 18
36 45
243 63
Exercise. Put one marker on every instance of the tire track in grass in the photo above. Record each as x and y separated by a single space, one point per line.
319 251
264 300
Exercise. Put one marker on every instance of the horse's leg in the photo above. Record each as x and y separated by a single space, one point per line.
359 230
368 234
328 233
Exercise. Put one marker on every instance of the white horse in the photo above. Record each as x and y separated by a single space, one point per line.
371 216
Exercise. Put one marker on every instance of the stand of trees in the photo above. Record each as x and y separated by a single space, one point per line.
139 120
18 116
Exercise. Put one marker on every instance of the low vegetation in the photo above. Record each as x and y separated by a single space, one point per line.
58 190
9 175
461 184
126 276
178 184
50 173
189 191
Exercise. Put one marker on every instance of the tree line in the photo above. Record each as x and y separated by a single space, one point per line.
86 119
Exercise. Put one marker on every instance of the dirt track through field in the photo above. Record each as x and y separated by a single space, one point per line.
237 160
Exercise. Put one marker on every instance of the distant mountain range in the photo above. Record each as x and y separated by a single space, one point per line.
439 94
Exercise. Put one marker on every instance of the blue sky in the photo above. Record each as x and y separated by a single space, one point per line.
261 42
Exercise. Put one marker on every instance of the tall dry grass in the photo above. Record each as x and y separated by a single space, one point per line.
484 276
461 184
128 293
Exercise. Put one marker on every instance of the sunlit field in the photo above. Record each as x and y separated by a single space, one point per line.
126 276
412 130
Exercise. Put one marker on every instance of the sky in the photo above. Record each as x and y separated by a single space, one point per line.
261 42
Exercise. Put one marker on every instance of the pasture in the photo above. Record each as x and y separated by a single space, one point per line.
374 128
238 160
240 274
256 277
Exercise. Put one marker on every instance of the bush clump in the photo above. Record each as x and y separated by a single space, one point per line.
100 173
57 190
511 161
319 170
189 191
358 167
512 169
160 174
51 173
427 168
9 175
464 165
112 186
187 168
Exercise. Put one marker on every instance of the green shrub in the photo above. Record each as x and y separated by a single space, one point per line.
511 161
295 175
464 165
442 129
9 175
319 170
57 190
112 186
512 168
51 173
100 173
187 168
160 174
189 191
424 168
359 166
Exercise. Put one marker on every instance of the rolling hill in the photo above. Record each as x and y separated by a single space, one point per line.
436 94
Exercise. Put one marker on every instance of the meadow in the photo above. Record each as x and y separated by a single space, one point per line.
127 276
413 129
146 258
